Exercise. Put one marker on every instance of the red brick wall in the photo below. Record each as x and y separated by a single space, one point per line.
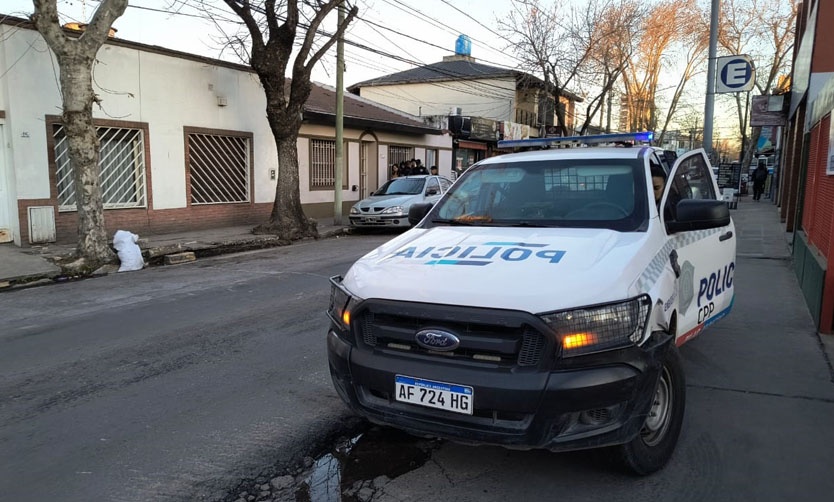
818 209
808 216
150 221
818 214
791 179
142 220
825 194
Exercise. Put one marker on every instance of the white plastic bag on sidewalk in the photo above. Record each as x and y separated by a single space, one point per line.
130 255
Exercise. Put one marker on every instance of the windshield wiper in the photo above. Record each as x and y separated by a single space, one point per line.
527 224
455 222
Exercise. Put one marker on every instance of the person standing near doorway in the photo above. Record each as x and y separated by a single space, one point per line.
759 179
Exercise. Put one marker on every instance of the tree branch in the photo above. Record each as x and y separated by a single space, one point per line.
327 45
99 27
47 23
242 9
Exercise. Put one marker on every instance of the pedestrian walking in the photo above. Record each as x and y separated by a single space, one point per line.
759 179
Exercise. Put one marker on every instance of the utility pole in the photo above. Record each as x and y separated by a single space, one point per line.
608 124
709 105
744 137
340 116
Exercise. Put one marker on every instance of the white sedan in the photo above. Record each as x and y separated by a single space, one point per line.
388 206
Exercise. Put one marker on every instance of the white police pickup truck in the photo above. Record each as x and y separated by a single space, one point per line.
540 302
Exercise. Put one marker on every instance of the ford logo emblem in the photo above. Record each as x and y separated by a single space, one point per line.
435 339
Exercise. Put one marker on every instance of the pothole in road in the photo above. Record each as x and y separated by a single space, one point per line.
357 468
351 471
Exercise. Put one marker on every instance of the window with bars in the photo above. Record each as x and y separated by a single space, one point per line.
218 167
121 168
397 154
323 165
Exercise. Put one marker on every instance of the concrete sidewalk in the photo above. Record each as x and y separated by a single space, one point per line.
28 266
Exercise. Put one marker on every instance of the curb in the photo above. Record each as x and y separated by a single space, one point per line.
158 256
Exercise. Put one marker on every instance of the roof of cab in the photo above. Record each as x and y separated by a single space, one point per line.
571 153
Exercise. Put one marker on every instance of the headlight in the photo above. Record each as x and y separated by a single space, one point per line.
605 327
393 210
354 210
341 302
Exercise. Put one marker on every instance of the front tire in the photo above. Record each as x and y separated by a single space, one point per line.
652 448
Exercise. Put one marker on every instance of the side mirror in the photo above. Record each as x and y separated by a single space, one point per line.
697 214
432 191
418 211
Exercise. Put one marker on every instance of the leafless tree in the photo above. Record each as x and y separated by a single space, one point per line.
76 54
611 39
691 51
691 122
286 35
661 28
763 29
573 47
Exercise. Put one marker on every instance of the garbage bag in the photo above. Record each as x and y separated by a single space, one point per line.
130 255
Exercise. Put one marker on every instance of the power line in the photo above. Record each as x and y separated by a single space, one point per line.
434 22
483 89
478 22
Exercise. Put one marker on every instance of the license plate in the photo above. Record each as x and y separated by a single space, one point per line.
440 395
371 219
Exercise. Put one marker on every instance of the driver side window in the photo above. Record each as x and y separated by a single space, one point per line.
432 187
692 180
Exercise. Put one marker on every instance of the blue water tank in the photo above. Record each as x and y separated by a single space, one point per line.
463 46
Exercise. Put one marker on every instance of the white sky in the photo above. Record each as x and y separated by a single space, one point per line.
419 30
187 33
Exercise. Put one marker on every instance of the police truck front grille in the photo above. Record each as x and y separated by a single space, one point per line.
488 343
367 327
532 348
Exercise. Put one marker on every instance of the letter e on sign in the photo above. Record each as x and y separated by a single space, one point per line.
734 74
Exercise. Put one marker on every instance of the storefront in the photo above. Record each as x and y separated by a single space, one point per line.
473 142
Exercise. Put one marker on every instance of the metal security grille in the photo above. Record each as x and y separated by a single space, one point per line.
397 154
218 168
121 168
322 163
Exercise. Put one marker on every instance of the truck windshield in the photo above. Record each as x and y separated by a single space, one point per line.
593 193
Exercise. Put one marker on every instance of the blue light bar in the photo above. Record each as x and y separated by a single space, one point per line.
629 137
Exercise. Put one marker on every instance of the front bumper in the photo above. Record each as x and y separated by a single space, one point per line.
557 404
379 221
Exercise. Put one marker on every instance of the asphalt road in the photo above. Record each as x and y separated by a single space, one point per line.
174 383
758 423
170 383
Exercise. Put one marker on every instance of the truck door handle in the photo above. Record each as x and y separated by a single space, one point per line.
726 236
673 260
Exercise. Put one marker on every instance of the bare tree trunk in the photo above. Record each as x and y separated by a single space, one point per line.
76 54
287 218
274 40
82 140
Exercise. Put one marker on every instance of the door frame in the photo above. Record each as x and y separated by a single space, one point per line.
7 226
